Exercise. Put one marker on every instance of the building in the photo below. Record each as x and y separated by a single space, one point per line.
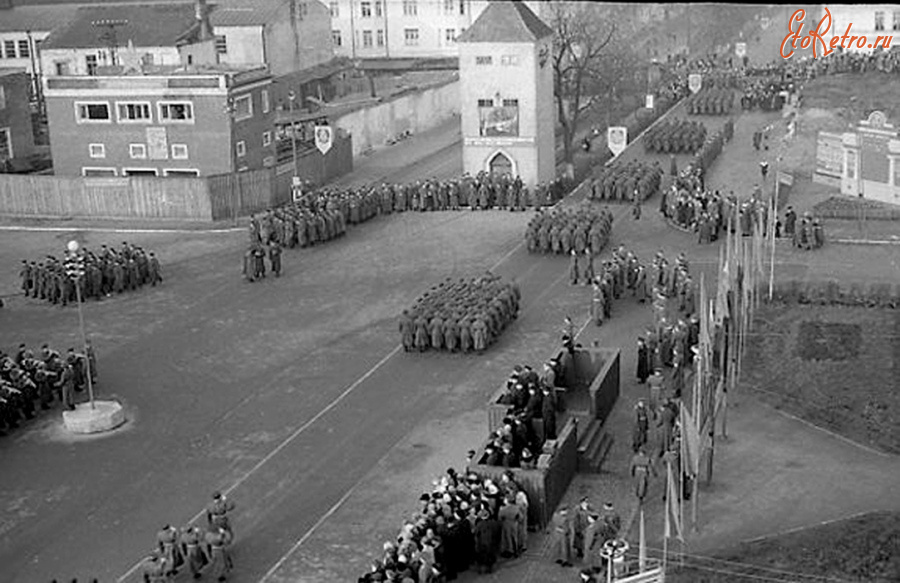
16 132
22 28
869 20
96 35
506 91
184 121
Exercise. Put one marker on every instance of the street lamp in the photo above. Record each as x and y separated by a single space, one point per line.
74 265
291 97
229 108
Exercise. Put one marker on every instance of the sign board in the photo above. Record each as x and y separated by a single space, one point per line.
498 121
829 155
617 139
740 49
157 144
649 102
324 138
695 82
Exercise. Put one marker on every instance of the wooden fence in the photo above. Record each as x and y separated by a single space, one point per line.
205 198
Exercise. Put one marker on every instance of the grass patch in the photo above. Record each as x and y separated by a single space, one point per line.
866 548
837 367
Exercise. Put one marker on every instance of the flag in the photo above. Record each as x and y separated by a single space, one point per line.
673 518
691 437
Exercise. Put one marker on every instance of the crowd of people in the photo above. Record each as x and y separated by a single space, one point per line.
675 137
584 534
464 521
634 181
31 382
711 100
107 271
198 551
463 316
584 230
806 234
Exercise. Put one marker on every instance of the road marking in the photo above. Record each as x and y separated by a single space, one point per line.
286 442
808 526
111 230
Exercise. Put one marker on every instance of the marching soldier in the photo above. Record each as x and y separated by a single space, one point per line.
275 257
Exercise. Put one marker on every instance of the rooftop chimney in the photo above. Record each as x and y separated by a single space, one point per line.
201 13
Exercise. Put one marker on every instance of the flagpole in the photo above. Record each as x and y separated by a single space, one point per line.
666 525
642 551
772 238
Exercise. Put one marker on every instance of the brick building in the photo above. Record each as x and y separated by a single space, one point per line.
187 121
16 133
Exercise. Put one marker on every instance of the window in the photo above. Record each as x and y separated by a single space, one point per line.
510 103
241 149
367 39
87 112
487 60
133 112
379 12
411 36
485 103
366 9
243 107
137 151
334 9
181 172
510 60
851 165
450 35
24 49
176 112
2 97
267 139
221 44
302 10
449 6
264 97
62 68
97 150
336 38
179 152
106 172
879 20
90 62
410 8
896 23
462 7
6 151
139 172
379 38
9 47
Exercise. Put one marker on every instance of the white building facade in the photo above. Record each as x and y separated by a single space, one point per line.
506 92
869 20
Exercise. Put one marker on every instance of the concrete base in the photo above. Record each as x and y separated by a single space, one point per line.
105 416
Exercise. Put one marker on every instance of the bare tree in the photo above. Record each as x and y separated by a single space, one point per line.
591 59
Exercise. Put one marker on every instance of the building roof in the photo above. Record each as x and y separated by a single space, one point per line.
35 18
244 12
146 25
506 21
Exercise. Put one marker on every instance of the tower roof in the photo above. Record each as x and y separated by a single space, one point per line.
506 21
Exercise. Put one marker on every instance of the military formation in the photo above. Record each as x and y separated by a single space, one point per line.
634 181
32 381
675 137
106 272
467 315
617 276
192 549
584 230
465 521
711 101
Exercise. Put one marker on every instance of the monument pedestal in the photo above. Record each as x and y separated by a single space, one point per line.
104 416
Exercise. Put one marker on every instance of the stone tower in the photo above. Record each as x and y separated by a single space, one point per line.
506 88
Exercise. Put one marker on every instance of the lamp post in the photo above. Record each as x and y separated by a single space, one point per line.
291 97
229 112
74 265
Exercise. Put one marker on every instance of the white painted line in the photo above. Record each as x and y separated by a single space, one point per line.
111 230
286 442
846 440
807 527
